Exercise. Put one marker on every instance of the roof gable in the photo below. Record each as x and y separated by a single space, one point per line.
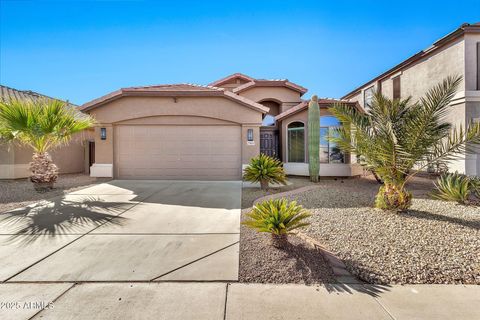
231 78
173 90
271 83
321 101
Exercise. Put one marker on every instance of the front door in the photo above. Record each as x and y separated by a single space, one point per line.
269 142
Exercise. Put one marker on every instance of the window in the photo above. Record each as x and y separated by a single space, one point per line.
329 152
296 142
396 87
367 97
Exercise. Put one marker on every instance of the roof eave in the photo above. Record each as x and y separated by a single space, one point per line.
189 93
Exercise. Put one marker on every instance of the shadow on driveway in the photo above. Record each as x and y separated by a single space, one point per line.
62 216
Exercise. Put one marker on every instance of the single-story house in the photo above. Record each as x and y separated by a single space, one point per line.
187 131
15 159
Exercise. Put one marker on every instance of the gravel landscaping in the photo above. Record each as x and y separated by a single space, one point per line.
433 242
19 193
262 263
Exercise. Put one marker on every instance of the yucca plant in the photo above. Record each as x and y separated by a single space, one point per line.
265 170
278 217
456 187
41 124
395 136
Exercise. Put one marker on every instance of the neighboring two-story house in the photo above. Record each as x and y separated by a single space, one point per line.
457 53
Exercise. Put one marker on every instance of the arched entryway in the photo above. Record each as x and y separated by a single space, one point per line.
269 137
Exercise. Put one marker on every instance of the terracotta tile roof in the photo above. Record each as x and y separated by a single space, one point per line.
231 77
173 90
321 101
271 83
11 93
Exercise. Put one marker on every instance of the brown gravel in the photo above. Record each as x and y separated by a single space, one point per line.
19 193
433 242
262 263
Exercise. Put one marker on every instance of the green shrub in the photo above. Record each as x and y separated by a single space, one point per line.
453 187
277 217
266 170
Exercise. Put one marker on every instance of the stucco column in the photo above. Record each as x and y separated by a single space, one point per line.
250 149
103 166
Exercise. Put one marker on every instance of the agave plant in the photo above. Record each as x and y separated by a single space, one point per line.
278 217
42 124
395 136
266 170
454 187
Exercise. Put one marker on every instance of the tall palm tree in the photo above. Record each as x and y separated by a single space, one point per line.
42 124
394 137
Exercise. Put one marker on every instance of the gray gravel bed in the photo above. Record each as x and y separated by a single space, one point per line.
433 242
20 192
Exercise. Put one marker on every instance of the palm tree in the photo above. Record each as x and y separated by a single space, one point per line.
394 137
42 124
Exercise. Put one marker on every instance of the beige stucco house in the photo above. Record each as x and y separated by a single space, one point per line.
457 53
15 159
187 131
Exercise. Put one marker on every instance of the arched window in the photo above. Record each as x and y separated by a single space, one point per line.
296 142
329 151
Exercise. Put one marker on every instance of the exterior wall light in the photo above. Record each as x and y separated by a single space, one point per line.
103 133
250 135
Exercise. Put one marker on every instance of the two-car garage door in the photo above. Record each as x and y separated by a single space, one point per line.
178 152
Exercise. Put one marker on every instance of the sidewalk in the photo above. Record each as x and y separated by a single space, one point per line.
177 300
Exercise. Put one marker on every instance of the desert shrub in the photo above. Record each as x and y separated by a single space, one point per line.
266 170
454 187
278 217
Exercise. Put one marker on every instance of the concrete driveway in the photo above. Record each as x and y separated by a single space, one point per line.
126 231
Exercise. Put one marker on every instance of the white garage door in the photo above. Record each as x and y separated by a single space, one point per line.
178 152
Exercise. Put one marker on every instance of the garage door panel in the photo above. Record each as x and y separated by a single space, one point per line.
178 152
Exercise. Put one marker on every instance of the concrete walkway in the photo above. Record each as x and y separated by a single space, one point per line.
218 301
126 231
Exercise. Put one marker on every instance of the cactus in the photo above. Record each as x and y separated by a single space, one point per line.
313 139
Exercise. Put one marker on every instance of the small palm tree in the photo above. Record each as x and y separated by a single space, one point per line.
395 136
42 124
266 170
279 217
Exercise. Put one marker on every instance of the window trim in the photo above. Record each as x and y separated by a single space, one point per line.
399 87
304 142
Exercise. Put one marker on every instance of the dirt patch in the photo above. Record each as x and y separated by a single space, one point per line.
20 192
297 263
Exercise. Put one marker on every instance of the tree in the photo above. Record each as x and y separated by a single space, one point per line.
41 124
394 137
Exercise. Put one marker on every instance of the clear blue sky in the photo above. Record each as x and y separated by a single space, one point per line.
80 50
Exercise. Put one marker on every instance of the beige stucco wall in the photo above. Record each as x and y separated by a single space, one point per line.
471 40
15 159
286 97
168 111
301 116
